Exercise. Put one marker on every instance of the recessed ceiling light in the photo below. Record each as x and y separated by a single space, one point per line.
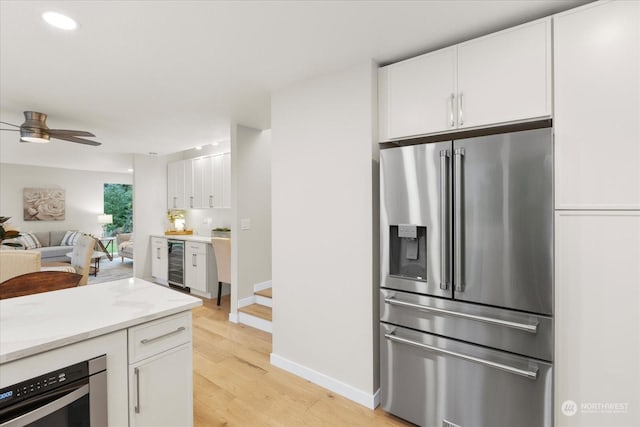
215 143
199 147
59 20
129 170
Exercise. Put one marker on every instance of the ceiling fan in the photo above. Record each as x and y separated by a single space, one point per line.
35 129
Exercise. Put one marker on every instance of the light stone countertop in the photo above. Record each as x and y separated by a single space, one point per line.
36 323
187 237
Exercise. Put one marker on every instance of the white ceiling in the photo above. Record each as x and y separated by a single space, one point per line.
165 76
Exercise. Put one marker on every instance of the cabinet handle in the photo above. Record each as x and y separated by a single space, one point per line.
174 201
210 201
158 254
150 340
460 109
191 201
136 372
194 261
451 119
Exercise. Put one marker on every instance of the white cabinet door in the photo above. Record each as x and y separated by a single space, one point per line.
207 182
217 172
416 96
189 187
161 389
597 106
505 76
221 180
159 258
175 185
597 305
195 266
226 180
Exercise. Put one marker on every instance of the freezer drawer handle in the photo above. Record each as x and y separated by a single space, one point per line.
529 374
533 328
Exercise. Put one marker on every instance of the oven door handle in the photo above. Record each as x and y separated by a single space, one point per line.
527 327
47 409
531 374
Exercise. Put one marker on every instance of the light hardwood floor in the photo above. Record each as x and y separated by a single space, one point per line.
235 385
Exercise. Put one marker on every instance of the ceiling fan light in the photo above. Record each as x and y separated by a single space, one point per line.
33 135
34 139
59 20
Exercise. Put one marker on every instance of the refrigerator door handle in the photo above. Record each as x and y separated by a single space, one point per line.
531 374
444 213
527 327
457 219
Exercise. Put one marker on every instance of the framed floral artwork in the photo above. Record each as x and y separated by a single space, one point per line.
43 204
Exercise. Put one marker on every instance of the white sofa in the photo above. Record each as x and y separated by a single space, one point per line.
52 249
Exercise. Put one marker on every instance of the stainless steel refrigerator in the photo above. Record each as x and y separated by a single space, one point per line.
466 303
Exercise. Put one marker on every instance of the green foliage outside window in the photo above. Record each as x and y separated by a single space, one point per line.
118 201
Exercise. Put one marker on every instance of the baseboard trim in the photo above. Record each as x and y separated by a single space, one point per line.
233 317
246 301
262 286
255 322
365 399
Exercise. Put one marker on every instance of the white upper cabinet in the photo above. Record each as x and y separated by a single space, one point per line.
199 183
417 96
504 77
175 185
597 106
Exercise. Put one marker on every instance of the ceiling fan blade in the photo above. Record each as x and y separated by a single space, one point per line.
67 132
78 140
10 124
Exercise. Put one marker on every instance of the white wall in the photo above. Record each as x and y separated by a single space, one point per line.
84 191
324 277
251 248
149 208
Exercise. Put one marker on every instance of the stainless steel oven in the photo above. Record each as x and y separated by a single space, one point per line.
73 396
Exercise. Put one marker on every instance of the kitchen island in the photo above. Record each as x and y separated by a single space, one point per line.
143 328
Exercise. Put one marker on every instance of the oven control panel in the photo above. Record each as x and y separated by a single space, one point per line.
43 383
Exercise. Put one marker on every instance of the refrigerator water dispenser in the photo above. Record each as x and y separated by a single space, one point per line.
408 251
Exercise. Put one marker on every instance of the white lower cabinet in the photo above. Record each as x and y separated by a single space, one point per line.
161 373
198 266
160 389
159 259
597 305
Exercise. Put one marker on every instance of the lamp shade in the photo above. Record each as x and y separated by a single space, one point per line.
105 219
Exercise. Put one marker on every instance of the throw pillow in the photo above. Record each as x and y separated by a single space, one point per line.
29 241
70 238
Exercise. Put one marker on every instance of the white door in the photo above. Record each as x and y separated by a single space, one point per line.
161 389
597 306
416 96
505 76
597 106
195 268
175 185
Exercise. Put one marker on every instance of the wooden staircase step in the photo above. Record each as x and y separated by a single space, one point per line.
264 293
257 310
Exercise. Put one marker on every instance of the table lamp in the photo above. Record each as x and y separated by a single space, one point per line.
103 220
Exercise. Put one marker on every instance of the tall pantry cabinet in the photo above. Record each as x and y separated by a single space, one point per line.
597 201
